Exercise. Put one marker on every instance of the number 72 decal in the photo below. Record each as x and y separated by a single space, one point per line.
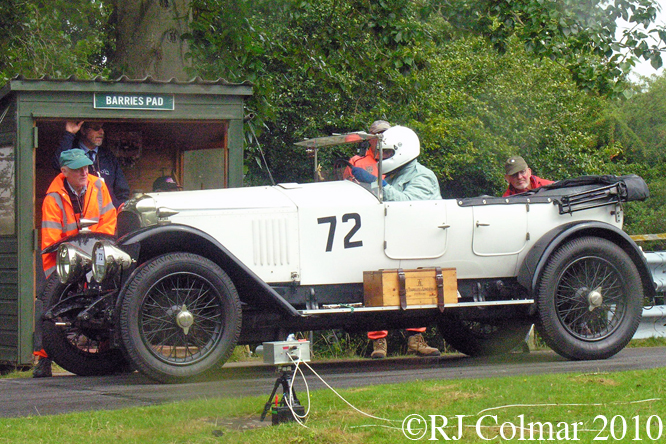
333 221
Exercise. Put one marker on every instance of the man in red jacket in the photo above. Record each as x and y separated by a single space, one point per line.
520 177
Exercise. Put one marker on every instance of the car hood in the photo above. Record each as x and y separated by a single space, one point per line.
279 196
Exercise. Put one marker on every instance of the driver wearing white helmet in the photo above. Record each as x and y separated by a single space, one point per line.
406 178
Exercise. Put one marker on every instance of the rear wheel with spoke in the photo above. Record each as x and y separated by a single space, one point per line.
589 299
180 317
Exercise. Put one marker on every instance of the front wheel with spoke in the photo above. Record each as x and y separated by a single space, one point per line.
180 317
589 299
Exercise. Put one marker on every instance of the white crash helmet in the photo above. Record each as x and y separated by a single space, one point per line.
404 145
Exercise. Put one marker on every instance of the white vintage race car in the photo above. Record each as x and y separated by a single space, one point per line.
194 273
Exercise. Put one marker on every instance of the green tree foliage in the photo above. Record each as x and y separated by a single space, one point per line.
333 66
336 65
645 115
58 38
318 67
580 34
476 107
642 136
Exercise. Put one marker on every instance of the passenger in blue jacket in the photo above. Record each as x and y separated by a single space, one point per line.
105 165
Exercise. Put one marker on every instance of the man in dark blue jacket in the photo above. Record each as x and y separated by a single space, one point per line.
105 165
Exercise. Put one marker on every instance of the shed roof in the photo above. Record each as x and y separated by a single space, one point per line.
196 85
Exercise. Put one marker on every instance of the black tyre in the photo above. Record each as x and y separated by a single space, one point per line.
82 351
589 299
180 317
477 338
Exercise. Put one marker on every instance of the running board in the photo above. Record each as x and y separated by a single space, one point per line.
352 308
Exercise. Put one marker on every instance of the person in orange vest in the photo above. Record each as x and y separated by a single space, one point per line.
520 178
368 159
73 195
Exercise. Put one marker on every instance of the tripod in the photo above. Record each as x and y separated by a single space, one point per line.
282 410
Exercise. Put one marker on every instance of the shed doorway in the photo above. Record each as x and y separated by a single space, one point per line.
194 153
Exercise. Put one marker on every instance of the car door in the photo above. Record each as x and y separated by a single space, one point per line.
415 229
499 230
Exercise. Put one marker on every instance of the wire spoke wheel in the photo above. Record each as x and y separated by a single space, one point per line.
180 317
589 299
167 318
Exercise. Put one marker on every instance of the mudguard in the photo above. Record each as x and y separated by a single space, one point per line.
85 241
536 259
161 239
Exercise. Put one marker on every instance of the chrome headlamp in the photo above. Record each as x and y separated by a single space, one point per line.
71 263
108 260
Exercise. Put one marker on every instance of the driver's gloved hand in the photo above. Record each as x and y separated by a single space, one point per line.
363 176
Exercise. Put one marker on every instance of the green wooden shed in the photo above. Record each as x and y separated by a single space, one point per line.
192 131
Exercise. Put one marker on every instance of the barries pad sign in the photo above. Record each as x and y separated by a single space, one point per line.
160 102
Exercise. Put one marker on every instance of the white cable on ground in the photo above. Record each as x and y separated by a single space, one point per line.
347 402
288 399
299 418
566 405
307 388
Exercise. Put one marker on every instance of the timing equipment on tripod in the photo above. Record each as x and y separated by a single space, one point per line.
285 355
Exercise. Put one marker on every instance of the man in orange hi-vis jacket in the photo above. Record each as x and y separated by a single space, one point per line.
368 159
73 195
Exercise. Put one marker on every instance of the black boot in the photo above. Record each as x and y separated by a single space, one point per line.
42 369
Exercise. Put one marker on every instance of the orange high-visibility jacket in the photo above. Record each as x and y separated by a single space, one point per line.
59 220
367 162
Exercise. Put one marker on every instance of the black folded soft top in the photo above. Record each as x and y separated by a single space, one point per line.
575 194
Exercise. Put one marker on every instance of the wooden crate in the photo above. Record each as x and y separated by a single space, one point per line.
423 286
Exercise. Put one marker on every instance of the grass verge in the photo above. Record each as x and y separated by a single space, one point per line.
577 407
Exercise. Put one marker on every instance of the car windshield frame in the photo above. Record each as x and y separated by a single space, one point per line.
314 144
